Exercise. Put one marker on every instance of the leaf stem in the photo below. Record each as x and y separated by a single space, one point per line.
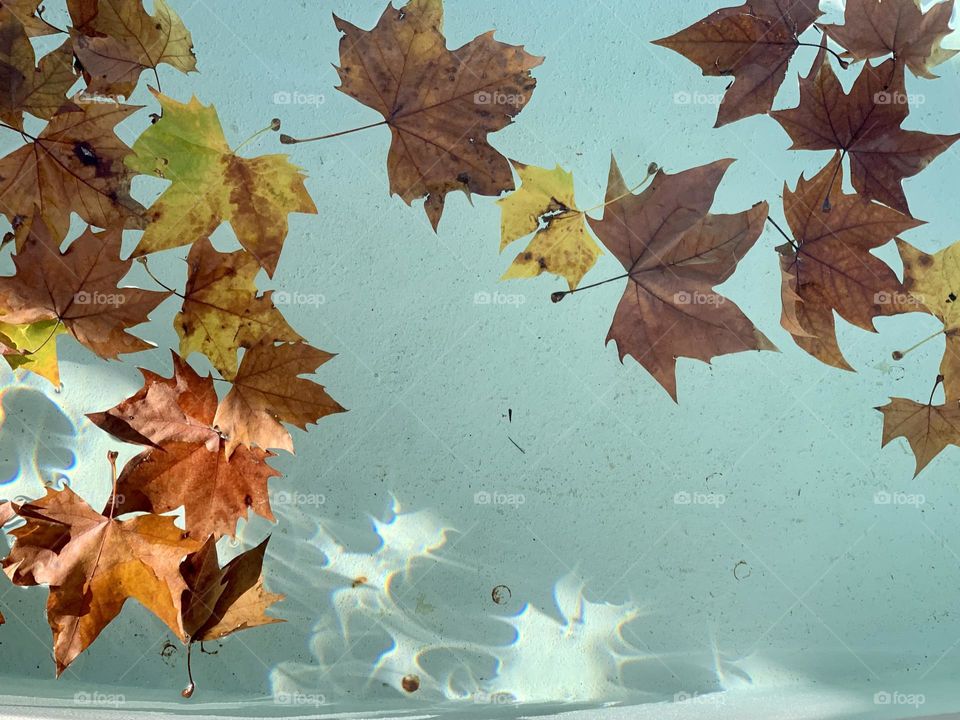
187 692
26 136
112 459
52 333
143 261
936 384
652 169
793 244
900 354
843 63
287 140
561 294
273 126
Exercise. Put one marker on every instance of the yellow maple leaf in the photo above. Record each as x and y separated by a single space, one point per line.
211 184
545 205
33 347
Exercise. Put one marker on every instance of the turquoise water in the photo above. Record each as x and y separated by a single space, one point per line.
786 570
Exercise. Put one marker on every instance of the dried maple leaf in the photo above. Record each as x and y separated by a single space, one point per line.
753 43
268 390
116 40
934 281
876 28
32 347
26 12
221 601
211 184
440 104
93 564
927 427
544 205
829 265
674 253
74 165
865 125
222 311
40 89
187 465
79 288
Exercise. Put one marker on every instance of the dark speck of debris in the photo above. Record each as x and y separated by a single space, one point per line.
516 446
501 594
741 571
360 580
410 683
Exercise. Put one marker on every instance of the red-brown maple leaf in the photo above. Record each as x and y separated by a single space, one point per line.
79 288
675 252
753 43
830 267
187 464
866 125
876 28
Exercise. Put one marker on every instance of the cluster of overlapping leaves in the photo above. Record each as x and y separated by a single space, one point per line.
200 452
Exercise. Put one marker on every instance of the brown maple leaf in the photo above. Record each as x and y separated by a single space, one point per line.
94 564
116 40
675 252
26 12
222 311
74 165
268 390
865 125
79 288
25 86
187 464
927 427
753 43
877 28
829 265
440 104
220 601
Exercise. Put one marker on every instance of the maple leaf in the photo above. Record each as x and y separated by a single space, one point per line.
876 28
440 104
26 12
754 43
268 390
186 465
829 266
221 601
94 564
928 428
865 125
222 311
78 288
116 40
674 253
74 165
211 184
544 205
934 281
24 86
32 347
